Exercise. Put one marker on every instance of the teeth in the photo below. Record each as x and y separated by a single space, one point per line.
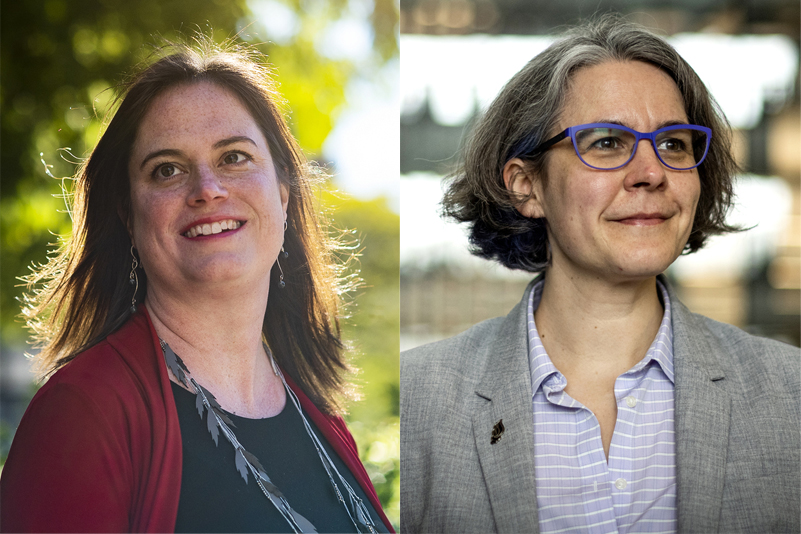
213 228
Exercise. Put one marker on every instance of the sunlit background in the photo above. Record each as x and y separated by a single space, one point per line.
457 54
337 65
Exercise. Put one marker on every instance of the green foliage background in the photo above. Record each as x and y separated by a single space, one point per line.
58 58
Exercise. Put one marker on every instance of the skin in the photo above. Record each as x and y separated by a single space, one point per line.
611 233
200 156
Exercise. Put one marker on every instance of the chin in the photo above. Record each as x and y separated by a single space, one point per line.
644 263
224 269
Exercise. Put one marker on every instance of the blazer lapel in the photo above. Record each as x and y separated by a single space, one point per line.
702 413
503 426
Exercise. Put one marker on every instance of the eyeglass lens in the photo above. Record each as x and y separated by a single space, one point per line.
609 148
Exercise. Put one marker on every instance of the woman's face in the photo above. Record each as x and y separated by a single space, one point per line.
207 206
629 223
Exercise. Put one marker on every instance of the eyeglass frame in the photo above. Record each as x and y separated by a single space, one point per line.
571 133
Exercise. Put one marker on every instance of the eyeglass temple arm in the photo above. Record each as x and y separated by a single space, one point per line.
545 145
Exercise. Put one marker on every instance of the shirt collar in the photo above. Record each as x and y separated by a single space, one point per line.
660 351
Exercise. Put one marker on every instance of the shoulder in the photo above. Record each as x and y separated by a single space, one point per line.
104 391
752 358
454 351
96 443
450 367
749 363
99 370
75 419
107 392
118 370
740 342
441 377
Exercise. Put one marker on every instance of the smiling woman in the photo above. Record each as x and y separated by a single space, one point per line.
194 234
634 219
600 403
200 162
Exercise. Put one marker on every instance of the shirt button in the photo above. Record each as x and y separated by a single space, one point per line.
631 402
620 483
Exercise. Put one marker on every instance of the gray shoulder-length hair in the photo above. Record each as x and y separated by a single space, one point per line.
525 113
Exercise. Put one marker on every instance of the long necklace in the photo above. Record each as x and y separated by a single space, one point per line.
217 420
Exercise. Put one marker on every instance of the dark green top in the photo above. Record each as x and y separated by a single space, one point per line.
215 498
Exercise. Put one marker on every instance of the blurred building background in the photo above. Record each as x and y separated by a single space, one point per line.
336 62
457 54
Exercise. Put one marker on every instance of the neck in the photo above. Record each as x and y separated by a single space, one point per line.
596 323
219 337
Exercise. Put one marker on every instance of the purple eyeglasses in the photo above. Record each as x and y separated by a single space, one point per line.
607 146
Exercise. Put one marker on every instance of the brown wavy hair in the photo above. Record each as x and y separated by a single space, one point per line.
524 114
82 294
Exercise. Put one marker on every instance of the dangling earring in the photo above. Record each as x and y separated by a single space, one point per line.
285 254
133 279
281 282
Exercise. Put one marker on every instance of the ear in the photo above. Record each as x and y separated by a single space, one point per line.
126 220
525 185
283 190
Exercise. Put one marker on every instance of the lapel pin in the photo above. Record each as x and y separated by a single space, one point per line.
497 432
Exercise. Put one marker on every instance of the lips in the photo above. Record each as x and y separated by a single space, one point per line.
207 227
643 219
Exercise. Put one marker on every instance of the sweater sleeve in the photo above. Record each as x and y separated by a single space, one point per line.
68 469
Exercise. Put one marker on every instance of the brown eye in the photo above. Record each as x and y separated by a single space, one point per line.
674 145
166 171
233 158
607 143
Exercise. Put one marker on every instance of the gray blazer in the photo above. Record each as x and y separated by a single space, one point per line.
738 430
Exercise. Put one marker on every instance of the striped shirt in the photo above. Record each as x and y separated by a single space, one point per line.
577 490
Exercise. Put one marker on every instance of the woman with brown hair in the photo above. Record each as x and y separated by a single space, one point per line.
194 234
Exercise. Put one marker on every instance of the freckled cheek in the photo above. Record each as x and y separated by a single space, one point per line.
152 214
268 194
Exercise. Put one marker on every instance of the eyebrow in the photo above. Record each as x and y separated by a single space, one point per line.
158 154
236 139
222 143
659 126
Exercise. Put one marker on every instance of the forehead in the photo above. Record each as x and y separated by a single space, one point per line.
199 111
633 93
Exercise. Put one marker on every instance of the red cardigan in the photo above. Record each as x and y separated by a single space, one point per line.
99 447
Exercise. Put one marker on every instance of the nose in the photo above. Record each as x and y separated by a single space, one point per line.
645 170
206 187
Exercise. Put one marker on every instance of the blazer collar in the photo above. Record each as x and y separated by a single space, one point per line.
702 411
504 392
